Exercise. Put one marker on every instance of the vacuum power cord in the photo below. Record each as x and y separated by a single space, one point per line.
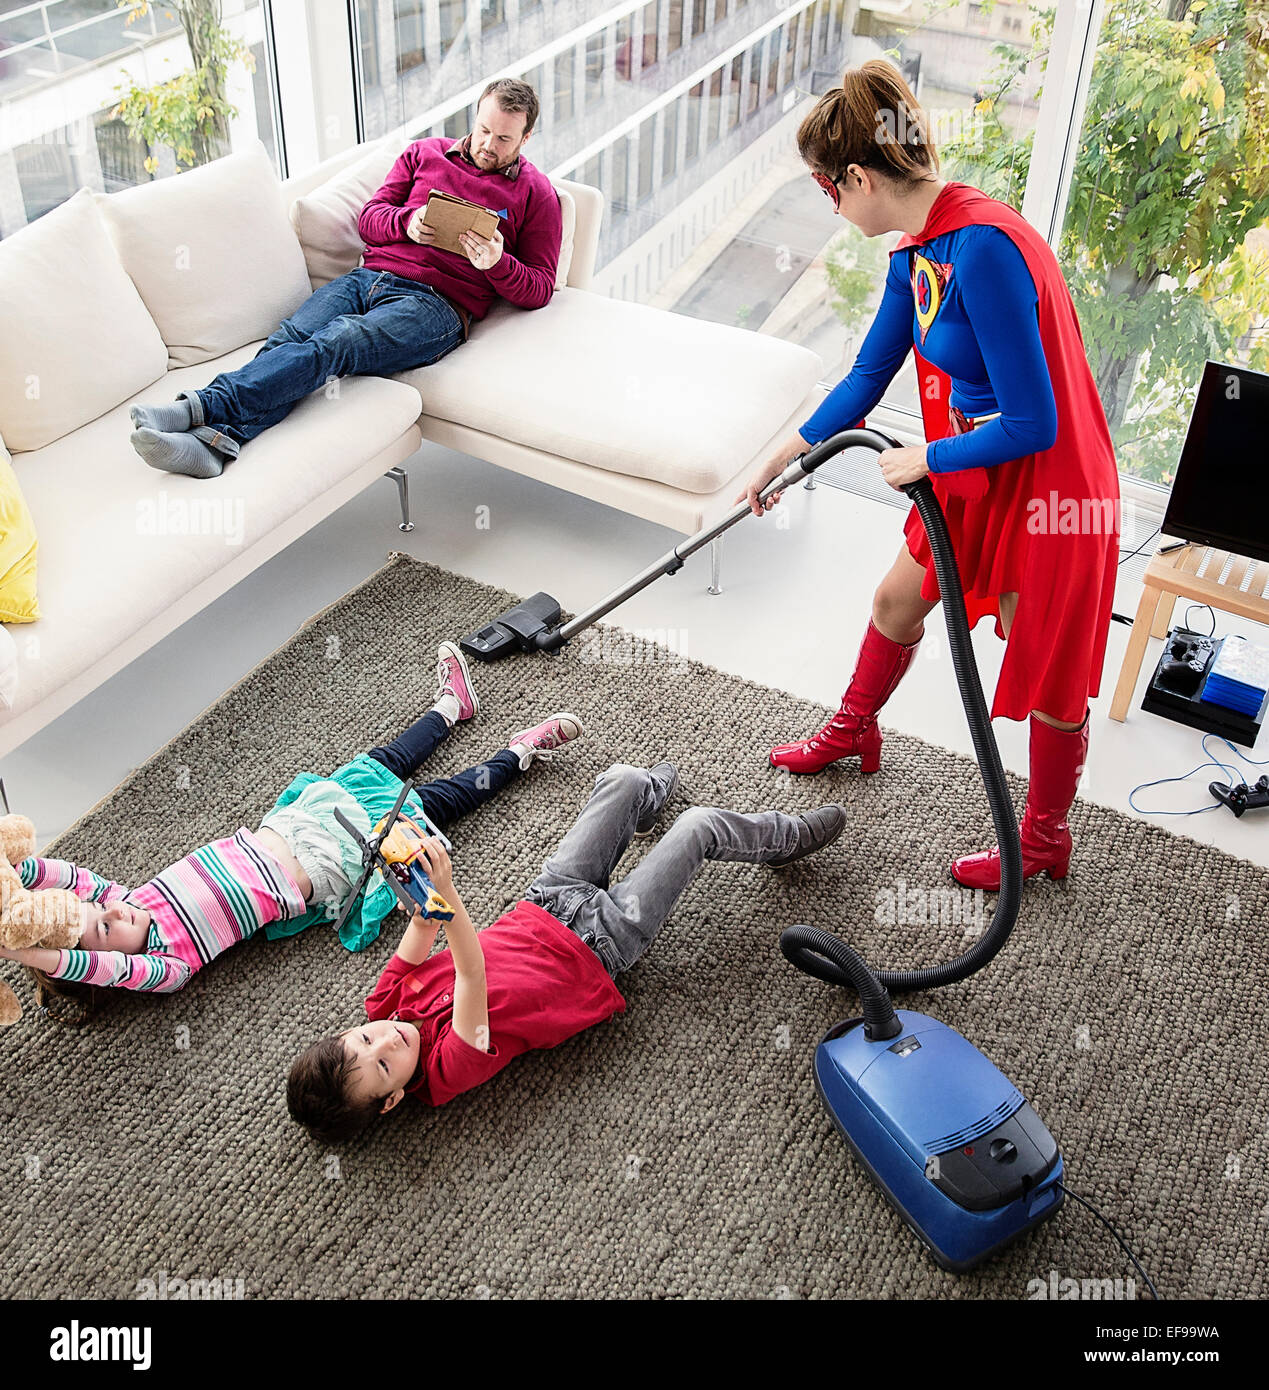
1084 1202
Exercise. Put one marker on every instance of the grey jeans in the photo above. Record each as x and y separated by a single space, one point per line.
621 922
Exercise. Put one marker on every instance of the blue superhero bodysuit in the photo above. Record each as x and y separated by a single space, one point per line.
967 301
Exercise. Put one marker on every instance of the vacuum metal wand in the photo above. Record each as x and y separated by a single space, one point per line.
801 467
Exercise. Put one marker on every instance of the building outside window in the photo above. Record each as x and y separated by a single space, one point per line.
647 156
651 19
122 155
670 146
674 40
563 86
695 101
409 33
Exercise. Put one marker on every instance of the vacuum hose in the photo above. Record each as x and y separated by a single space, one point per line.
825 956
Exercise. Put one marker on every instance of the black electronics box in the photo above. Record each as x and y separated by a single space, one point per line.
1174 689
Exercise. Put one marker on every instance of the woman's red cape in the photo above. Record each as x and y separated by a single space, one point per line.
1045 526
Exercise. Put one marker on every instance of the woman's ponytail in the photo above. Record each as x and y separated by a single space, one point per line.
873 120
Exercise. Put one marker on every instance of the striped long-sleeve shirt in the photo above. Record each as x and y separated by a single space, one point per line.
199 906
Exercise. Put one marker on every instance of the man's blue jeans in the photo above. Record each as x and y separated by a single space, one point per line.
365 323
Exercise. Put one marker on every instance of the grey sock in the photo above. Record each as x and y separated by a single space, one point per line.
162 418
178 453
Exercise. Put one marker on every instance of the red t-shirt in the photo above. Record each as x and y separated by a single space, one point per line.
544 985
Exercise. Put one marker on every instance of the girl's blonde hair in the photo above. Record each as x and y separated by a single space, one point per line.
872 119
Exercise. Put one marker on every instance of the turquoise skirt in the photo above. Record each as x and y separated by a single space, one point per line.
375 790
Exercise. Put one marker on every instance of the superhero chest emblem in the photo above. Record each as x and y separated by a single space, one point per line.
929 286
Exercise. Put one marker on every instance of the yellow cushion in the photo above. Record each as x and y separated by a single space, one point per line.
18 603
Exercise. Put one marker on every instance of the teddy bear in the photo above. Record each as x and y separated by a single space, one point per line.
51 917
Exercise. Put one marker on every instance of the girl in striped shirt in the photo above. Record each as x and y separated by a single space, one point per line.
296 868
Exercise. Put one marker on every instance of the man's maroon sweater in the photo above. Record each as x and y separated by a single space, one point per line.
529 220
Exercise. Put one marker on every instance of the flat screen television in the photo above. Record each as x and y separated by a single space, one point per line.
1221 493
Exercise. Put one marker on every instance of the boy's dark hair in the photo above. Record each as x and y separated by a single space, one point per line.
317 1093
513 95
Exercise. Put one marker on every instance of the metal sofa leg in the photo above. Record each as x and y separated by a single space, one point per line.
715 565
402 480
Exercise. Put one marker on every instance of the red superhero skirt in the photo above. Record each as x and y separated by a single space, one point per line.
1048 532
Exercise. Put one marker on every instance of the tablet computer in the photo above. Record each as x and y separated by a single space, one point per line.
449 216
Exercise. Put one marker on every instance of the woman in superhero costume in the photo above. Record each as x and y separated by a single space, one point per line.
1017 449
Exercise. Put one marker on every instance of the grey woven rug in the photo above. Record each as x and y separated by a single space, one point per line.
678 1150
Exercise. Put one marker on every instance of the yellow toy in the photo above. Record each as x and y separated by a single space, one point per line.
402 848
395 848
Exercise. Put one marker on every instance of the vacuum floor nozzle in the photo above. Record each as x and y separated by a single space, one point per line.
516 630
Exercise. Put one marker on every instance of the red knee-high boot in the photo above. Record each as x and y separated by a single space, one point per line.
853 730
1057 757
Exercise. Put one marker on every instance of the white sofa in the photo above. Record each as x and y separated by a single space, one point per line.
136 296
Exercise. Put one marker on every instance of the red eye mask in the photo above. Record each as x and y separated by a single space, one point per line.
830 188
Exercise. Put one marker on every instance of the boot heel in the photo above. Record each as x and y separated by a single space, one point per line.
1060 869
870 750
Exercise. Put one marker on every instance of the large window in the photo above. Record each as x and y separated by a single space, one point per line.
956 61
1162 229
78 91
1165 239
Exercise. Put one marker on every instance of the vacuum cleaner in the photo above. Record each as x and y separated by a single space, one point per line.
944 1134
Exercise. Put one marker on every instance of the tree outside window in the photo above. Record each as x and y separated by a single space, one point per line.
189 112
1166 240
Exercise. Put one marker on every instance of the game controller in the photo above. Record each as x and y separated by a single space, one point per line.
1185 660
1242 797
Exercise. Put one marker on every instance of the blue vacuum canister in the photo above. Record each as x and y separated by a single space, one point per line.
948 1138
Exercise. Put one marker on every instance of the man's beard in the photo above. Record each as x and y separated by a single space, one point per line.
494 164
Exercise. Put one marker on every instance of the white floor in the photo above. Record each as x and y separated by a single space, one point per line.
796 598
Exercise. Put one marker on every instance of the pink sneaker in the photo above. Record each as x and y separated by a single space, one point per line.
453 678
542 740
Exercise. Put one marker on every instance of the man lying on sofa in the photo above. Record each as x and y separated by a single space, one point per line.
408 304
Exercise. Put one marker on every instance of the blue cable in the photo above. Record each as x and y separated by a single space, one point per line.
1212 761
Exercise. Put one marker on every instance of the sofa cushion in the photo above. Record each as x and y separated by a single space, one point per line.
83 340
325 220
212 252
630 389
568 211
157 535
8 668
18 545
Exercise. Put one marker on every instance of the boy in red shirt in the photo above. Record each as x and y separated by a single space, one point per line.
437 1025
